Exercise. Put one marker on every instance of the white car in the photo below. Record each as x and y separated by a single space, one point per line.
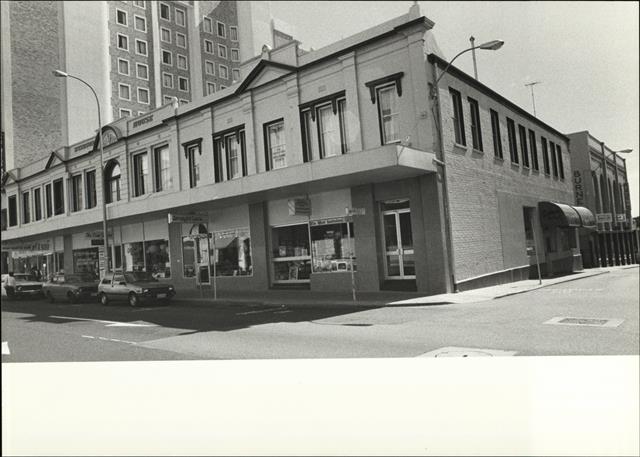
26 285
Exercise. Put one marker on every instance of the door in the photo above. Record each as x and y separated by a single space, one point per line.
398 240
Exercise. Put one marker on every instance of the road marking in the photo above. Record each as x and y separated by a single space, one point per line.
585 321
5 348
109 323
283 312
452 351
108 339
256 312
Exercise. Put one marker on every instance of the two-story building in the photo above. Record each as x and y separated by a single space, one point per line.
314 164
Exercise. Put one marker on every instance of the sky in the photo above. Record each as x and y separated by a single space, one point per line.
585 55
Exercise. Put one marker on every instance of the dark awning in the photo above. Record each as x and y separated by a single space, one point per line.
586 217
558 215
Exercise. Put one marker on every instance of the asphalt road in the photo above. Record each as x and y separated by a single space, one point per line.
520 325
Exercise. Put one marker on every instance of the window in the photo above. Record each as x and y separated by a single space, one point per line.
458 117
140 174
142 71
235 55
112 182
140 24
476 129
211 88
13 211
221 29
125 112
233 253
139 4
388 113
156 258
37 203
222 51
233 32
90 186
193 151
236 74
58 197
208 46
209 67
275 147
133 258
161 168
231 146
180 17
123 42
121 17
291 254
181 40
141 47
167 57
181 62
123 67
523 146
165 35
167 80
143 95
331 248
48 200
545 155
223 72
207 25
554 160
183 84
26 207
560 163
124 91
165 12
511 133
329 132
76 193
534 150
495 129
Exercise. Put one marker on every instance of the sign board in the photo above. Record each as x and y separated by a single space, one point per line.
621 217
199 236
355 211
602 218
578 187
187 218
97 242
299 207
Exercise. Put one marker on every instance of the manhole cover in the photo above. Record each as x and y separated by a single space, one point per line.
467 352
585 321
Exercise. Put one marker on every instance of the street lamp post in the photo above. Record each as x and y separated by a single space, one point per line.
490 46
62 74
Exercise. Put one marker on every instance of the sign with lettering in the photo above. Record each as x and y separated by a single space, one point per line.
84 145
187 218
602 218
327 220
578 187
621 217
355 211
143 120
299 207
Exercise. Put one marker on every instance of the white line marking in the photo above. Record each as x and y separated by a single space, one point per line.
452 351
256 312
5 348
283 312
611 323
108 339
87 336
109 323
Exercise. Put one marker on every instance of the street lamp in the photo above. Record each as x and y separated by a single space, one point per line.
62 74
492 45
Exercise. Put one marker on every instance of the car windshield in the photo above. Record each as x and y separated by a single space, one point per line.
24 277
138 276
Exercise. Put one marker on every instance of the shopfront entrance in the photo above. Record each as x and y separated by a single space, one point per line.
398 241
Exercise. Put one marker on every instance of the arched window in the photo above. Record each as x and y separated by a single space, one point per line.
112 181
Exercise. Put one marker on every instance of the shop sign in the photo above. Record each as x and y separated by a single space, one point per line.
621 218
326 221
627 198
187 218
199 236
299 207
98 234
355 211
232 233
602 218
578 188
36 247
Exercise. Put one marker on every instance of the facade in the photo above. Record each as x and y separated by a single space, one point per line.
313 165
600 182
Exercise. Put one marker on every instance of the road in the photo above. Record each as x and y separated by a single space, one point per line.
520 325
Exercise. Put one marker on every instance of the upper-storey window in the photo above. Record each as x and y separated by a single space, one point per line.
545 155
476 129
161 166
26 207
90 187
229 154
513 146
165 35
534 150
458 117
140 174
324 127
121 17
181 40
221 29
180 17
58 197
76 192
140 23
193 151
275 145
112 181
495 130
207 24
560 163
37 203
48 200
165 12
13 210
554 160
139 4
233 33
388 113
123 42
523 146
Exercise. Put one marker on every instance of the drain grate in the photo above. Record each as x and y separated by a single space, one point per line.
585 321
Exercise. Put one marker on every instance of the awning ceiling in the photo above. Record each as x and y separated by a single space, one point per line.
563 215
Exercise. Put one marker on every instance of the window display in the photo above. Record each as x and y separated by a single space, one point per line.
188 257
157 258
332 248
232 255
291 254
86 261
134 256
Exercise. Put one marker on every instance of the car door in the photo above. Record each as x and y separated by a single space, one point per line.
119 290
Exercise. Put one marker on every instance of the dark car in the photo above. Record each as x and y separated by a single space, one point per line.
72 287
133 287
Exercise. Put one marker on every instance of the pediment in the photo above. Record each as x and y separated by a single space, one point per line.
54 159
8 177
265 72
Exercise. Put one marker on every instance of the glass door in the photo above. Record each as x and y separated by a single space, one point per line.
398 240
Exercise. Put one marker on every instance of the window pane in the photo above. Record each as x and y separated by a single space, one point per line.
86 261
134 256
157 258
188 257
312 136
277 145
331 248
388 113
329 131
232 253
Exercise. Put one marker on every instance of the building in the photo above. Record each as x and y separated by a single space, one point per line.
604 189
314 164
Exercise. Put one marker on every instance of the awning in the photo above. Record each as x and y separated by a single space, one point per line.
561 215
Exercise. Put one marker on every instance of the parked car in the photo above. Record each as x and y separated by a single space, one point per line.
72 287
133 287
27 285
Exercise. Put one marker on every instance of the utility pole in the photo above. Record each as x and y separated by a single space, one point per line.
533 99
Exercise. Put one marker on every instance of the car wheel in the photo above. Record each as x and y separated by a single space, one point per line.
104 299
133 300
50 297
71 297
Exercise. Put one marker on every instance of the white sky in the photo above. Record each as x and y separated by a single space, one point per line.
584 53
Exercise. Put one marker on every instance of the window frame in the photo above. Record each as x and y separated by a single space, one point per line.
458 117
476 125
126 38
164 30
392 88
554 159
268 147
140 178
222 47
180 80
126 17
37 204
535 164
164 75
179 12
26 207
545 156
497 137
226 70
233 30
135 23
186 62
136 3
120 60
91 196
524 149
210 84
234 72
209 64
16 211
512 137
184 37
161 184
166 52
193 164
48 200
209 44
168 8
128 86
138 65
62 199
75 193
224 29
143 89
237 52
560 161
207 20
122 111
146 47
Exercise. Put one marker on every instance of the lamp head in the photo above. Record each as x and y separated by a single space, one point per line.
492 45
624 151
59 74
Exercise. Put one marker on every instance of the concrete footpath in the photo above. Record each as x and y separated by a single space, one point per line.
280 297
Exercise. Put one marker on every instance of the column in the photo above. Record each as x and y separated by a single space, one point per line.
350 78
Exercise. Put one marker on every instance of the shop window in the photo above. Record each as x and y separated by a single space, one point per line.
112 181
140 174
76 193
331 247
157 258
58 197
134 256
86 261
275 147
37 203
534 150
513 146
458 117
495 130
161 168
48 201
232 253
476 129
523 146
545 155
117 257
291 254
26 208
229 155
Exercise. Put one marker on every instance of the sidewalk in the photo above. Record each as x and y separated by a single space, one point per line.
375 299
